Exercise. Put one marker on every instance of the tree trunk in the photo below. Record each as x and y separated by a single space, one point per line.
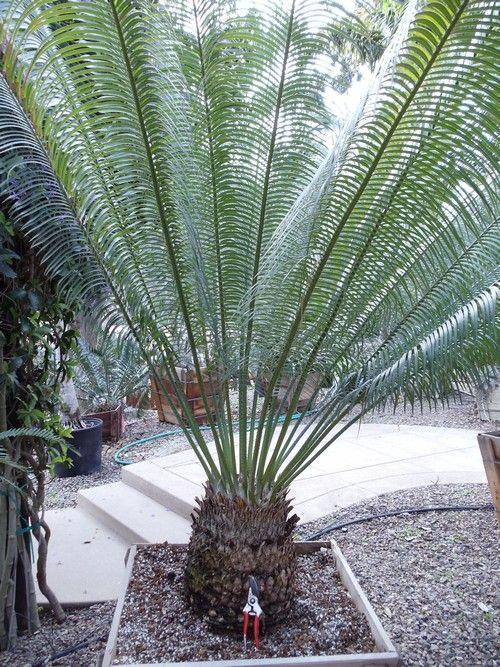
18 606
232 540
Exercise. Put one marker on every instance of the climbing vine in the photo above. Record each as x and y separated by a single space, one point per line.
36 338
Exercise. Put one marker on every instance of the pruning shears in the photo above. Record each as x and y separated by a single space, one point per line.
253 609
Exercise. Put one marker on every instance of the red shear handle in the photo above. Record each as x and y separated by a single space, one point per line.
256 622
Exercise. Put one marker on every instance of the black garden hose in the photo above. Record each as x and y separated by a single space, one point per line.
90 639
413 510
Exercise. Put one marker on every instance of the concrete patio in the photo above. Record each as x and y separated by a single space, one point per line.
154 499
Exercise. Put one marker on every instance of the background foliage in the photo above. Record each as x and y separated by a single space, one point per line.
35 339
108 372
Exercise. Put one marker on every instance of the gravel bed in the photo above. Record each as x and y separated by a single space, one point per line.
158 625
432 578
61 492
462 414
146 427
89 623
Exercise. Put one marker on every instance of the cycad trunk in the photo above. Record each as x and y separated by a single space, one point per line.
232 540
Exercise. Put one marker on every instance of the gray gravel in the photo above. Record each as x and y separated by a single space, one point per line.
157 625
62 492
462 414
432 578
145 427
416 569
81 625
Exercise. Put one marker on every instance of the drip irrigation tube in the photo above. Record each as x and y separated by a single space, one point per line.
91 638
412 510
179 431
69 651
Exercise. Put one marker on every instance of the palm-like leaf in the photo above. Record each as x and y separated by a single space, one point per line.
363 35
181 176
109 372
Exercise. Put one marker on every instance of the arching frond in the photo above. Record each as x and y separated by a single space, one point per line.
109 372
169 163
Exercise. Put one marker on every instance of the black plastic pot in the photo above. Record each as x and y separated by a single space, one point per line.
85 450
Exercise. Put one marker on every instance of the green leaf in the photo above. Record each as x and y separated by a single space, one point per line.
34 300
174 169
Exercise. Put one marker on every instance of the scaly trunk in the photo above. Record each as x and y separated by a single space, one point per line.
231 540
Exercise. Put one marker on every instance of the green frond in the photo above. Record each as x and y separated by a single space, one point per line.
170 165
33 432
38 201
462 350
109 372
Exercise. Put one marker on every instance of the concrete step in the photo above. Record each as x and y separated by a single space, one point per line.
85 560
164 486
133 515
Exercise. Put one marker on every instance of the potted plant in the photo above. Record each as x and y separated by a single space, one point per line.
285 392
198 187
105 376
84 452
488 398
488 402
177 391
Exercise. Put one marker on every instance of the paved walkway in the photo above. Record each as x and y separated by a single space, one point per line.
153 501
363 463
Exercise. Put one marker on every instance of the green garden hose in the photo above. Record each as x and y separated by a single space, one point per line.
179 431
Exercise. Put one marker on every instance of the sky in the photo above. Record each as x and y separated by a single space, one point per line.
341 105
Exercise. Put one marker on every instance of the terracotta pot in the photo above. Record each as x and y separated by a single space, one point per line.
489 444
191 389
113 423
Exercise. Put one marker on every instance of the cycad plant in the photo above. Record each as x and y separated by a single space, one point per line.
108 372
182 149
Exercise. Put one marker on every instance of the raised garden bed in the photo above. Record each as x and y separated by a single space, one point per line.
489 445
193 393
140 400
332 622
